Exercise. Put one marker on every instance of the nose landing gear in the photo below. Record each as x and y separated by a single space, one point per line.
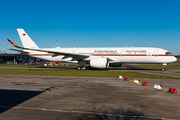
163 68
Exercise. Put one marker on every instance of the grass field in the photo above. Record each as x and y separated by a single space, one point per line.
177 62
157 66
35 66
42 66
160 66
83 73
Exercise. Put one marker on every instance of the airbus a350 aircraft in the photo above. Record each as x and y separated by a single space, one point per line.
95 57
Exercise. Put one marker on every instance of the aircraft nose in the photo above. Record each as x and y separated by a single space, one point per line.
174 59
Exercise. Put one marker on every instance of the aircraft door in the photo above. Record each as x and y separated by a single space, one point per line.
122 53
148 56
41 53
156 53
74 51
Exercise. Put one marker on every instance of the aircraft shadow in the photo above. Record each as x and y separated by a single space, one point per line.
11 98
112 114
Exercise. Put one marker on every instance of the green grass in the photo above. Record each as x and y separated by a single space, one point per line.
83 73
157 66
42 66
177 62
35 66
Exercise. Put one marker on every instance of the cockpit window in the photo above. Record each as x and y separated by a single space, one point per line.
168 53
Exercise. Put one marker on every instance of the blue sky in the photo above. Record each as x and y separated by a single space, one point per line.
93 23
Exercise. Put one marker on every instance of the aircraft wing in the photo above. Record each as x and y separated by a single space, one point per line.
22 51
75 56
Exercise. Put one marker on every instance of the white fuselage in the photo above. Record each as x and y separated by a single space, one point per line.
95 57
116 55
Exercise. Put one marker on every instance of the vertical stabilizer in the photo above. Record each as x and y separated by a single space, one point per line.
26 40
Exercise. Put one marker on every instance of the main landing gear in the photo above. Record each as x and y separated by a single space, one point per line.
163 68
84 68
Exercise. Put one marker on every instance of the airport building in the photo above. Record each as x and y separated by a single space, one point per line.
8 58
17 59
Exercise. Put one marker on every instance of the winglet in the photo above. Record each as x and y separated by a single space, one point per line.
14 44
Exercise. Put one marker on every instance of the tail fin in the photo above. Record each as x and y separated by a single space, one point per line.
26 40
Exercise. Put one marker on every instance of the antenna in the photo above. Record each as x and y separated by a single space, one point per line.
56 43
18 49
4 46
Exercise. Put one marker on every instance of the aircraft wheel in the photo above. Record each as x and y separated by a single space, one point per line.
88 68
162 69
83 68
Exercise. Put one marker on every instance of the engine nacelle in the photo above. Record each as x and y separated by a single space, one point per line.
99 63
115 64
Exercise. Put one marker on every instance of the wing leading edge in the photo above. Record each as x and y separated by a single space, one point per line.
75 56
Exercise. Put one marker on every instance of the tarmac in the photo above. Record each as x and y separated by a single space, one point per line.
25 97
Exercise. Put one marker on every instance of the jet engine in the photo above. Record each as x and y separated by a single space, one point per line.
99 63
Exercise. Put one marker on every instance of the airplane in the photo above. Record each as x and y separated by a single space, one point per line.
95 57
